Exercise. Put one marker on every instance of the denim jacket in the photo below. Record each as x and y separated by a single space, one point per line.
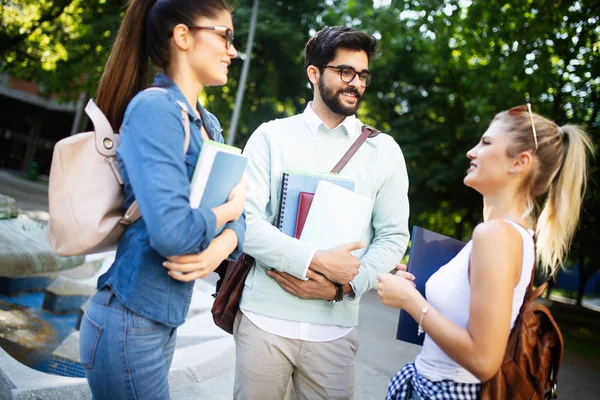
157 174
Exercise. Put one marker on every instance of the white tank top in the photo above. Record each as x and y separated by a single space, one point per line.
449 292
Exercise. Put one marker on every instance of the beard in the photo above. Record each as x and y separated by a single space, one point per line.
333 99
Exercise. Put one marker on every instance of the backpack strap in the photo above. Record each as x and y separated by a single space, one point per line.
133 212
529 293
366 132
185 120
105 139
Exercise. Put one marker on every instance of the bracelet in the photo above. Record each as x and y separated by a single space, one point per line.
420 330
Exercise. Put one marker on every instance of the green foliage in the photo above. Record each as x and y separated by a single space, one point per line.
61 44
446 68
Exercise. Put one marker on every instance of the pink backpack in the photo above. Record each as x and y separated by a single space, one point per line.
85 193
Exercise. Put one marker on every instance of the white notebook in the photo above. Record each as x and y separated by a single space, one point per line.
336 216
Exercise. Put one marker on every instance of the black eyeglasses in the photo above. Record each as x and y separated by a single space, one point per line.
228 33
347 74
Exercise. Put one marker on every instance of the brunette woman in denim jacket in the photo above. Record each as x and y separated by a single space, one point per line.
128 332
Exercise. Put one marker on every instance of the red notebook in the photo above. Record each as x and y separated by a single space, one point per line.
303 206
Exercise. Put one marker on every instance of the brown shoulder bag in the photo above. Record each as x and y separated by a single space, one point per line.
533 355
232 274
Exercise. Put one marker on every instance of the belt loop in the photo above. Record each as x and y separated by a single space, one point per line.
108 297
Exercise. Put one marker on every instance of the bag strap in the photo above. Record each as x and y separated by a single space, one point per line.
366 132
133 212
105 139
185 120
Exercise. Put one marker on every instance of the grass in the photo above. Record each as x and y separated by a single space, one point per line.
569 294
580 327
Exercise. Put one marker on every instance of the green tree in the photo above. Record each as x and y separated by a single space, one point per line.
60 44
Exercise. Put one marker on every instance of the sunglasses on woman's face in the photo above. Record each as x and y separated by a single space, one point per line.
228 33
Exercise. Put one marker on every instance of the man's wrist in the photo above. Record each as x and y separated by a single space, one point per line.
348 290
316 263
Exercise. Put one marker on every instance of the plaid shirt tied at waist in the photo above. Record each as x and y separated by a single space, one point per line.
408 379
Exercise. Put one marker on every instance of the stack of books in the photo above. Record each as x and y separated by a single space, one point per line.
322 209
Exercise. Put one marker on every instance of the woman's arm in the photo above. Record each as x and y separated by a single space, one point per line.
151 151
197 266
495 268
239 227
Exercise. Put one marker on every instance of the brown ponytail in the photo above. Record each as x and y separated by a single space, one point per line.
145 32
126 70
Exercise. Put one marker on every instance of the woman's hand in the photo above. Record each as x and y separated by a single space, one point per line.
196 266
237 198
234 207
396 290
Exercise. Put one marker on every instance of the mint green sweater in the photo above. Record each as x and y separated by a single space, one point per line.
301 142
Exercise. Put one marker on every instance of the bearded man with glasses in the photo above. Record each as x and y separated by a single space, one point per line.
299 307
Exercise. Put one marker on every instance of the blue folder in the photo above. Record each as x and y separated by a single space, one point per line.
226 172
428 252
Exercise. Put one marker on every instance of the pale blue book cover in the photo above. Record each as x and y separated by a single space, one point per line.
226 172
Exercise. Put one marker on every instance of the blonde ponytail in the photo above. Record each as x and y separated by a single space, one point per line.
560 213
559 174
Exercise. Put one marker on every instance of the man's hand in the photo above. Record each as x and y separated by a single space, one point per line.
316 287
337 264
196 266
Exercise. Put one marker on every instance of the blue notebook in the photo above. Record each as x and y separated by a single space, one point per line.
295 182
227 170
429 251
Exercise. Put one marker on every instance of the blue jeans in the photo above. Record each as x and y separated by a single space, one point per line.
125 356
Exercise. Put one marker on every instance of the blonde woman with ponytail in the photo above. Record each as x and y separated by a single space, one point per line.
532 175
129 329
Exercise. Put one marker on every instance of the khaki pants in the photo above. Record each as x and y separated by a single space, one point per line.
266 362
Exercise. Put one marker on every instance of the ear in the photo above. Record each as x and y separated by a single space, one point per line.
182 37
521 163
313 74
